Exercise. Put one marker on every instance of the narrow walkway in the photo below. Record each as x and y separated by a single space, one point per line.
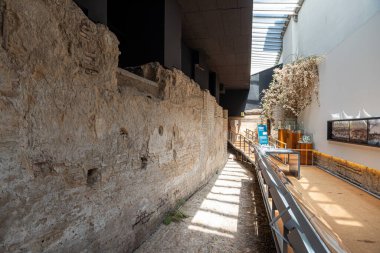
227 215
351 213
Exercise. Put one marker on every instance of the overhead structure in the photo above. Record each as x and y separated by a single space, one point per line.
269 23
222 31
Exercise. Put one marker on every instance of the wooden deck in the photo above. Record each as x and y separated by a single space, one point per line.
350 212
353 214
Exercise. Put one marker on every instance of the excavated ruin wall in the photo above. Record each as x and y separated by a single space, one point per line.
92 157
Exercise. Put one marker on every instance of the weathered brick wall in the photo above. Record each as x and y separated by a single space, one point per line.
92 157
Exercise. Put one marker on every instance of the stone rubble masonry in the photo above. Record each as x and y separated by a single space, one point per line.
361 175
91 156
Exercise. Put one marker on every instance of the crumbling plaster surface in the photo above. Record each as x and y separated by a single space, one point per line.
92 157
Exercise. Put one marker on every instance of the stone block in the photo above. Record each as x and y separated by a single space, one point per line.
92 157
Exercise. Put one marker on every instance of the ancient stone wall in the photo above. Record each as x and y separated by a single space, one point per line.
361 175
92 157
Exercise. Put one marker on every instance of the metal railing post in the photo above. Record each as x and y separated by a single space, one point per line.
279 200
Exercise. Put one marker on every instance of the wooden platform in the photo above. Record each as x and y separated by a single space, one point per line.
351 213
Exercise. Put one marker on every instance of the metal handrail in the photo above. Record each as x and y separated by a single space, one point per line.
300 150
297 231
272 141
276 141
251 135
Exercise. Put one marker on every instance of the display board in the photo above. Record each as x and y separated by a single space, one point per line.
364 131
263 134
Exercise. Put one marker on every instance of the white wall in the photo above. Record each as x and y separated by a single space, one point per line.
347 33
323 24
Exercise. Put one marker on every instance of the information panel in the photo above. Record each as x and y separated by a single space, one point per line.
363 131
263 134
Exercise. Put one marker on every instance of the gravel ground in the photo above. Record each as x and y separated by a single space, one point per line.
227 215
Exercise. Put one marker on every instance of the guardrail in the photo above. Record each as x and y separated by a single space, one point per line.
251 135
312 153
276 143
294 228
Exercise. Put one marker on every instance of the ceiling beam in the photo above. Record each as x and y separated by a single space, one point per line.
267 15
263 60
269 55
258 31
264 56
277 1
268 48
266 43
258 58
268 21
268 27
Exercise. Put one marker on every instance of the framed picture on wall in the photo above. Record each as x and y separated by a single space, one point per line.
364 131
358 131
341 130
374 132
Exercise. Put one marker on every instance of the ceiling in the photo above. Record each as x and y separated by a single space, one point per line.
269 23
222 29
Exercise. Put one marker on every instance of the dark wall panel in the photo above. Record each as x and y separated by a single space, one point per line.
96 10
201 70
173 34
212 83
259 82
139 26
234 101
202 76
187 65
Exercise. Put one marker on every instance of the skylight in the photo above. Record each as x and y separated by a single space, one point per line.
269 22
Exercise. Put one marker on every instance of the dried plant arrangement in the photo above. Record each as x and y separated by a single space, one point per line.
292 88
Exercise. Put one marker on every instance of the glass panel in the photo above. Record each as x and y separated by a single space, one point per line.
283 7
270 18
277 1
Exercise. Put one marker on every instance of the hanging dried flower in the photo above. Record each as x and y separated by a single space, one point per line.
293 87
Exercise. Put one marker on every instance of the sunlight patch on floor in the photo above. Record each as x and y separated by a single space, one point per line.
349 212
335 210
219 212
349 222
210 231
323 200
226 198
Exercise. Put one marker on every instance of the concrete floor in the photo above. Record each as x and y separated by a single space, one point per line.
227 215
350 212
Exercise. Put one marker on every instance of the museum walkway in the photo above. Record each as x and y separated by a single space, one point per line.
227 215
350 212
347 211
